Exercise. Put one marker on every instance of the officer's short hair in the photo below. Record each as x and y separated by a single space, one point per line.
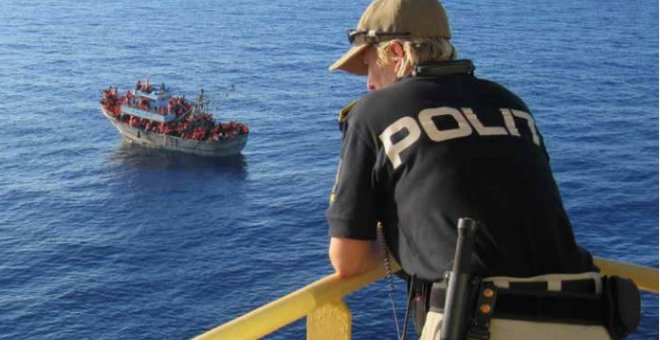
418 51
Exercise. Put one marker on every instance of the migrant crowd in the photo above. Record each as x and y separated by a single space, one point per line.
187 125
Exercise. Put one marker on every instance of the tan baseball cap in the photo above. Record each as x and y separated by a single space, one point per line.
392 19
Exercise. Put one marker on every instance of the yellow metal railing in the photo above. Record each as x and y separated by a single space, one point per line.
329 318
327 315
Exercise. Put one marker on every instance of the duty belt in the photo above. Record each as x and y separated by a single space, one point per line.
577 303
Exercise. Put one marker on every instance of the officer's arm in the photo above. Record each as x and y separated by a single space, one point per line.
352 257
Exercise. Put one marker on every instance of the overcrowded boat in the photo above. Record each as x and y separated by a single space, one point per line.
157 118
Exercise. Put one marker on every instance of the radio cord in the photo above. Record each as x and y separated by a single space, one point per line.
390 280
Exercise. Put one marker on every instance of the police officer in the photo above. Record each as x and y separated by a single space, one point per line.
431 143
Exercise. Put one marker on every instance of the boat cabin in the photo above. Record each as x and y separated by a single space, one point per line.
152 105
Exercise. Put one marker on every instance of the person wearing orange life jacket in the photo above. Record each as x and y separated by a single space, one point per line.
431 143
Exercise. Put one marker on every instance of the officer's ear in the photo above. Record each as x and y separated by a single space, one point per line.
396 50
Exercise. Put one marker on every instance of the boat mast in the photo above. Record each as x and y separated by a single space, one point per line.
202 102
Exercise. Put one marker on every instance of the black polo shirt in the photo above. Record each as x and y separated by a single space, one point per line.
422 153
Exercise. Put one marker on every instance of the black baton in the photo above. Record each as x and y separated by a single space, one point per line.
459 286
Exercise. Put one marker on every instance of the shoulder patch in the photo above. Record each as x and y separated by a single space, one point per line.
343 113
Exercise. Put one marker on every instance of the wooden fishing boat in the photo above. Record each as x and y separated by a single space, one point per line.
158 119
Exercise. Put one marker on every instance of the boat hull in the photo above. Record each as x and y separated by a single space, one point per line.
220 148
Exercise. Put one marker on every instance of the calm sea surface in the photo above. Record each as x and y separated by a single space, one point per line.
104 240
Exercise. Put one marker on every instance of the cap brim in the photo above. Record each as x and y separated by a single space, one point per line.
351 61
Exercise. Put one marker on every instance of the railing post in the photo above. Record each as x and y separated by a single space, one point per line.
331 321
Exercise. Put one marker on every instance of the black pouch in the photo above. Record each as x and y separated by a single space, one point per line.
622 306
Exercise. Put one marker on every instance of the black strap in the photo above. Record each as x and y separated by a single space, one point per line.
575 286
480 328
444 68
437 298
577 308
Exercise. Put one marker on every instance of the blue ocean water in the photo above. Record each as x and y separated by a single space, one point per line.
104 240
